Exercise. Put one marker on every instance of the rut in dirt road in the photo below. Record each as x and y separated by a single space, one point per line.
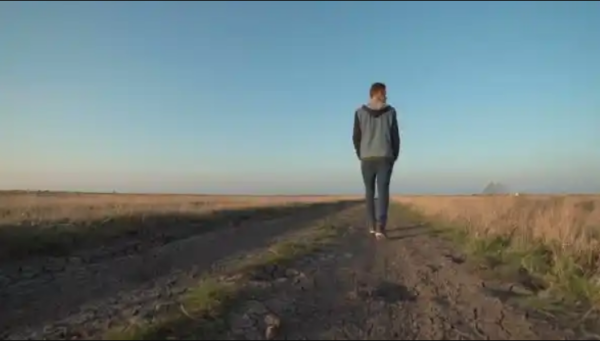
412 286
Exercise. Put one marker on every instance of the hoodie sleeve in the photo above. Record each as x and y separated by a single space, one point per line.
395 134
356 135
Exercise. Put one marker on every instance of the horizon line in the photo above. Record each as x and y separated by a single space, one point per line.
40 191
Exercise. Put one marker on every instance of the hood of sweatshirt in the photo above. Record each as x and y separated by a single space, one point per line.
376 108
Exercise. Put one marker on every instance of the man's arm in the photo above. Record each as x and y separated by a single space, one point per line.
395 134
356 135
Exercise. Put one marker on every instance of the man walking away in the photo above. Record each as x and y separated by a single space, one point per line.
377 145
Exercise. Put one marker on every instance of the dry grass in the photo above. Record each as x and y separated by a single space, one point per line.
57 224
16 209
555 237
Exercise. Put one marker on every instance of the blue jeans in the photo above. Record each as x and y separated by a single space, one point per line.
377 171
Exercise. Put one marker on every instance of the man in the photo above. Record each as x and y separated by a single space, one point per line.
377 145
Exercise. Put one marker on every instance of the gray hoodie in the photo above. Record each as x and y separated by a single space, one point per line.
376 132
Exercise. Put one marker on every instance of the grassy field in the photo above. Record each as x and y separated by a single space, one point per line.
42 207
554 240
55 224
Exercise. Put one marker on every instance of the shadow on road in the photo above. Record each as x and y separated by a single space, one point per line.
132 233
411 231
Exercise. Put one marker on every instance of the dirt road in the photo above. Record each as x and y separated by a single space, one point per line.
412 286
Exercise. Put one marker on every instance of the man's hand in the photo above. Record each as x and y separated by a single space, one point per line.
356 135
395 134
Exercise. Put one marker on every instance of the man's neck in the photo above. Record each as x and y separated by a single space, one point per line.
376 104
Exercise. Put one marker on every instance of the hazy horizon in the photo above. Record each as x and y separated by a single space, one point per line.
259 97
256 188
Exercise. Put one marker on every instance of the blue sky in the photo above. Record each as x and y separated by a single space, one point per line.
259 97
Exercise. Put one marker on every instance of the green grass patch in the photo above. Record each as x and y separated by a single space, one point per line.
198 316
556 280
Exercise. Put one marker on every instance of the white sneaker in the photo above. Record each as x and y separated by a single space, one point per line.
380 235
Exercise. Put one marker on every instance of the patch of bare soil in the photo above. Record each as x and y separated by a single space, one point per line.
412 286
86 292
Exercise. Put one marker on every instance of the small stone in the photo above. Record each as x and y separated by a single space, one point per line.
352 295
226 278
75 260
4 280
302 281
273 323
259 284
242 323
292 272
545 294
272 320
255 308
271 333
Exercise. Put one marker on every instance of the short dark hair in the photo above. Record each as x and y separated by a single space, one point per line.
376 87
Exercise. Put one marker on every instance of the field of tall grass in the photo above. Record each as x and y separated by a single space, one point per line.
43 207
55 224
554 238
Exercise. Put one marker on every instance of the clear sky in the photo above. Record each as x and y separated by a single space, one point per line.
259 97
